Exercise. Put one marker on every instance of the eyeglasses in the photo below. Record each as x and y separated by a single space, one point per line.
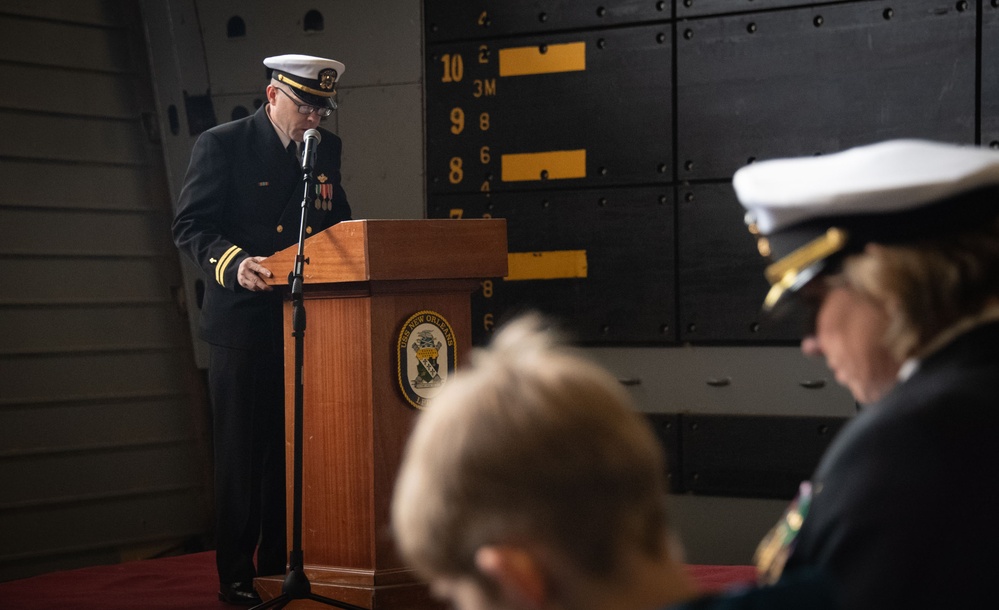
305 108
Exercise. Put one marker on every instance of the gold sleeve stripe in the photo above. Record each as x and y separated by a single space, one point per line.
224 262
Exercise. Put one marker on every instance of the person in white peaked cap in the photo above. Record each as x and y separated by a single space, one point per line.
241 202
894 249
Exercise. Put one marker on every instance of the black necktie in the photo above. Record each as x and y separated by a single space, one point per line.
293 151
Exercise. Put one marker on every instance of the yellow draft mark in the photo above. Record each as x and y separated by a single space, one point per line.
521 61
550 265
550 165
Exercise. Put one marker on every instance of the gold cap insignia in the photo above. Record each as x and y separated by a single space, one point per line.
327 78
800 266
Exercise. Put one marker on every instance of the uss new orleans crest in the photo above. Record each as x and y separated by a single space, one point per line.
426 357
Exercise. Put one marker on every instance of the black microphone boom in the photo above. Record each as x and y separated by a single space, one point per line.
296 583
312 139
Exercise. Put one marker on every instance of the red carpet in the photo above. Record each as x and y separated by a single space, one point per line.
188 582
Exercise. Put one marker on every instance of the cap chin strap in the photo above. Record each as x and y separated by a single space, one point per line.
802 265
301 87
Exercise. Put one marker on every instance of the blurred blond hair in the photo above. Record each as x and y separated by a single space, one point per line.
531 444
932 288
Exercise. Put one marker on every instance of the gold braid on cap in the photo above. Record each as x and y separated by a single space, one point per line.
784 273
285 79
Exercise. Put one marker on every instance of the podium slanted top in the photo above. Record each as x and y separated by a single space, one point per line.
371 250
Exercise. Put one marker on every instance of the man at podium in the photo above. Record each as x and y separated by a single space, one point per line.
241 202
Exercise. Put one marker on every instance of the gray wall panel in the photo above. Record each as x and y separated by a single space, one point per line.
234 63
107 95
72 139
47 281
85 186
723 530
80 534
378 42
382 131
83 48
89 425
92 12
727 380
78 232
51 378
78 471
90 335
106 328
990 73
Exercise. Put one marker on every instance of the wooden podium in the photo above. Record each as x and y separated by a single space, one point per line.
365 279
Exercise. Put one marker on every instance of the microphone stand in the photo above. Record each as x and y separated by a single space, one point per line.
296 584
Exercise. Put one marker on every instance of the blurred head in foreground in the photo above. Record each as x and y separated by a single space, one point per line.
532 482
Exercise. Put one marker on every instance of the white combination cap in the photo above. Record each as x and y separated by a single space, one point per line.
313 78
880 178
806 210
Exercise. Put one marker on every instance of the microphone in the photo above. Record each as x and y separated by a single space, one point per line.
312 139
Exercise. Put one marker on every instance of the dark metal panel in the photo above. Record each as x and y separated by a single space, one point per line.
484 18
721 272
666 427
990 73
700 8
618 109
814 80
628 292
752 455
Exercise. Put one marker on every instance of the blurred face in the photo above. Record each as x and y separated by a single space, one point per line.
849 332
284 113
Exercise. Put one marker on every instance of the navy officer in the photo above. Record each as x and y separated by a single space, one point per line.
241 202
894 248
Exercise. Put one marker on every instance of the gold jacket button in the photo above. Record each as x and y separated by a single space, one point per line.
280 228
308 230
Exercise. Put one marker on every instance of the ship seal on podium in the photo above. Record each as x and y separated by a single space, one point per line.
427 358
